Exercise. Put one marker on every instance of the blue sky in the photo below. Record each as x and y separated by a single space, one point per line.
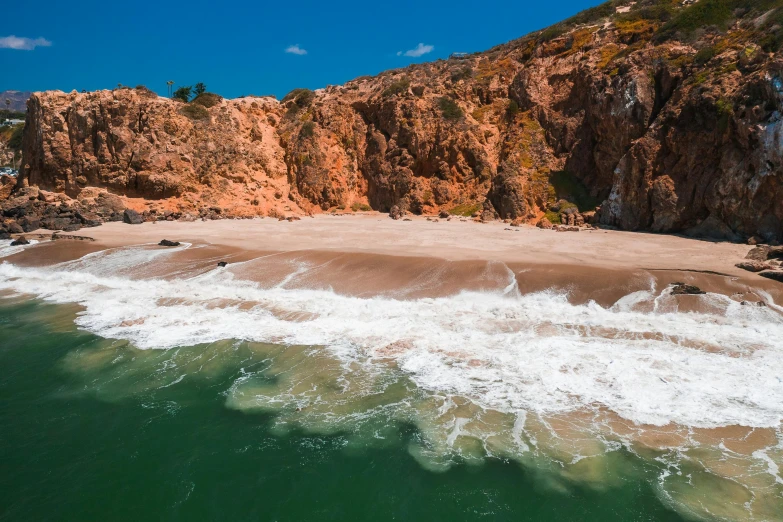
241 47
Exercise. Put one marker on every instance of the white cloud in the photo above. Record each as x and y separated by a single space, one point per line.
295 49
22 44
417 51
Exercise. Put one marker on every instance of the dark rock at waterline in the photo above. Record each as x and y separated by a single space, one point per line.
4 235
168 243
21 240
223 264
683 289
775 276
132 217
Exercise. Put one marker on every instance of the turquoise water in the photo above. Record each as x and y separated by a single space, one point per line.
94 429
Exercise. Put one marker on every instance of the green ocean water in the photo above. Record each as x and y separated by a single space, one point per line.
94 429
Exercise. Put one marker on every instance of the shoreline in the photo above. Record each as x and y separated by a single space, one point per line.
371 254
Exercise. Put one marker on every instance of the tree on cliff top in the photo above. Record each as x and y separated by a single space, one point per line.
200 89
183 93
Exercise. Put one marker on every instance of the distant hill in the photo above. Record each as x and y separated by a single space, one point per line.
18 100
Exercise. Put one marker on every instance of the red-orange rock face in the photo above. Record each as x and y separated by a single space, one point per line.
616 112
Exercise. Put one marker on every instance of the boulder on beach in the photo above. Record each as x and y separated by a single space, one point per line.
396 212
542 223
222 264
21 240
765 252
775 276
753 266
132 217
683 289
167 243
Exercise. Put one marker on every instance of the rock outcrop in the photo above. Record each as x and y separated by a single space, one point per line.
648 115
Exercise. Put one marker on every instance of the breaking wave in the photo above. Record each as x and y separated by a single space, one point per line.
495 372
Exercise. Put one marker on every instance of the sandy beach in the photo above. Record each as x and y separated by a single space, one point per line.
451 240
512 336
372 255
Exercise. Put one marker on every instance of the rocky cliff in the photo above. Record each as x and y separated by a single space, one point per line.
659 115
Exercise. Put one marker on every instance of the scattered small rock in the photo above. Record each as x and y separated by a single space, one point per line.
443 214
683 289
56 236
167 243
222 264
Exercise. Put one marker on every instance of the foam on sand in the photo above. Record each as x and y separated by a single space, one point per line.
525 376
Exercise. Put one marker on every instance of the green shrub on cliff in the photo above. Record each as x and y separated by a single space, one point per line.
465 209
706 13
183 93
704 55
207 99
15 141
512 109
725 111
449 108
568 187
195 111
397 87
301 97
307 130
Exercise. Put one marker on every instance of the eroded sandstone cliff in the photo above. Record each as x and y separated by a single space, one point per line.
664 116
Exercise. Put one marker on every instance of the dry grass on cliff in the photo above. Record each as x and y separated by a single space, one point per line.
207 99
195 112
465 209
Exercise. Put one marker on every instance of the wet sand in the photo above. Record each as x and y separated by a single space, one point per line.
367 255
506 367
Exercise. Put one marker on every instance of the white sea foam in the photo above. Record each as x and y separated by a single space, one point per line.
7 250
509 352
